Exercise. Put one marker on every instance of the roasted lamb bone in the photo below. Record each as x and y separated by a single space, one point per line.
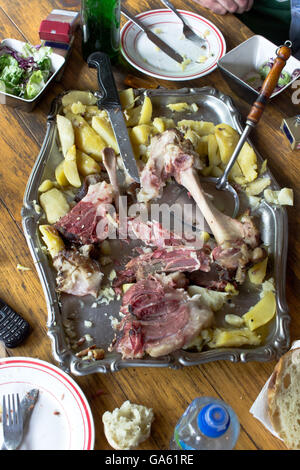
80 225
159 319
77 274
170 154
167 158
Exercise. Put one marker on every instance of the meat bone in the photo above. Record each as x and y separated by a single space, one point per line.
223 227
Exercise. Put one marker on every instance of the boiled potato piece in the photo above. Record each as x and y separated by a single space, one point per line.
227 139
52 239
201 127
178 107
257 273
200 144
65 132
159 124
103 128
146 112
213 299
78 108
86 165
70 168
258 186
127 98
248 162
85 97
91 111
233 338
283 197
45 186
86 138
213 151
55 205
234 320
262 312
60 175
132 116
140 135
163 123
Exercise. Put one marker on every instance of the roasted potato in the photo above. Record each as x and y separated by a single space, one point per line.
262 312
65 132
257 273
70 168
86 138
201 127
60 175
233 338
258 186
132 116
55 205
45 186
127 98
213 299
146 112
85 97
52 239
103 127
86 165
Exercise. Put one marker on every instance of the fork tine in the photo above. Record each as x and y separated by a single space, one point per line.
19 412
4 412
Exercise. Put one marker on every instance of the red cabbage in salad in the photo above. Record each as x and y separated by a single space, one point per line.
25 73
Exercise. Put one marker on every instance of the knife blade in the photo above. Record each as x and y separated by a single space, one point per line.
27 404
153 37
108 99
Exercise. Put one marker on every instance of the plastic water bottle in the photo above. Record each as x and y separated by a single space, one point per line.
207 424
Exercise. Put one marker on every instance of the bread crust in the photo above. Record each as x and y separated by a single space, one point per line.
274 388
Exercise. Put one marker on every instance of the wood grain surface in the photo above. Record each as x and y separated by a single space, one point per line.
167 391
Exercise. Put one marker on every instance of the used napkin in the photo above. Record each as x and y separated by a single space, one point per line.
259 409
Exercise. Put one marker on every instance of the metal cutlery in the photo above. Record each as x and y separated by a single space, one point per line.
108 99
27 405
12 421
153 37
187 31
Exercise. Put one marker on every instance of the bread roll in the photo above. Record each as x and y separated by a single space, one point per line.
126 427
284 399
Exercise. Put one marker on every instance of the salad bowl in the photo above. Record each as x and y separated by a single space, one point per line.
28 103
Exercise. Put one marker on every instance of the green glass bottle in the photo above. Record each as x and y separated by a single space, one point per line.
100 27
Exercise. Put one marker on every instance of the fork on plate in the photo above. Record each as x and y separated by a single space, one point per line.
12 421
187 31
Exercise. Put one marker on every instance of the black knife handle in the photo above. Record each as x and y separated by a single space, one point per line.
110 96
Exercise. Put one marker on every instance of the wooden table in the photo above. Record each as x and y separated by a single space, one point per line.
168 392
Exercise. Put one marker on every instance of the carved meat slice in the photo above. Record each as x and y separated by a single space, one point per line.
77 274
159 319
86 222
152 233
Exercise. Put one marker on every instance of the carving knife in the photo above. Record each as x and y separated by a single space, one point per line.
153 37
27 405
108 99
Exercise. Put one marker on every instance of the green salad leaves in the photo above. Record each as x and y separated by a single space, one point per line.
25 73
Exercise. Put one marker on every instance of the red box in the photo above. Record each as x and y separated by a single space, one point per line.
55 31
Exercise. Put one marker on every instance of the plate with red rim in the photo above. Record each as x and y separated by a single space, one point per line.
145 56
61 418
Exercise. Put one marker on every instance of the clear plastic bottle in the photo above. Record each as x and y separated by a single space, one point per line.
207 424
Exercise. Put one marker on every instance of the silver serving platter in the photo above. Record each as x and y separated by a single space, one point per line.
69 313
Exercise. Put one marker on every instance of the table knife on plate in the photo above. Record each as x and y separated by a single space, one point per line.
153 37
110 101
27 405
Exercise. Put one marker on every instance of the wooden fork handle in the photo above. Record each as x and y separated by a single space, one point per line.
270 82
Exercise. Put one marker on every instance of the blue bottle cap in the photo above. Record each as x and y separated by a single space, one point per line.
213 420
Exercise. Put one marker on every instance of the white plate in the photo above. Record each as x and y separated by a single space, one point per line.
142 54
61 418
